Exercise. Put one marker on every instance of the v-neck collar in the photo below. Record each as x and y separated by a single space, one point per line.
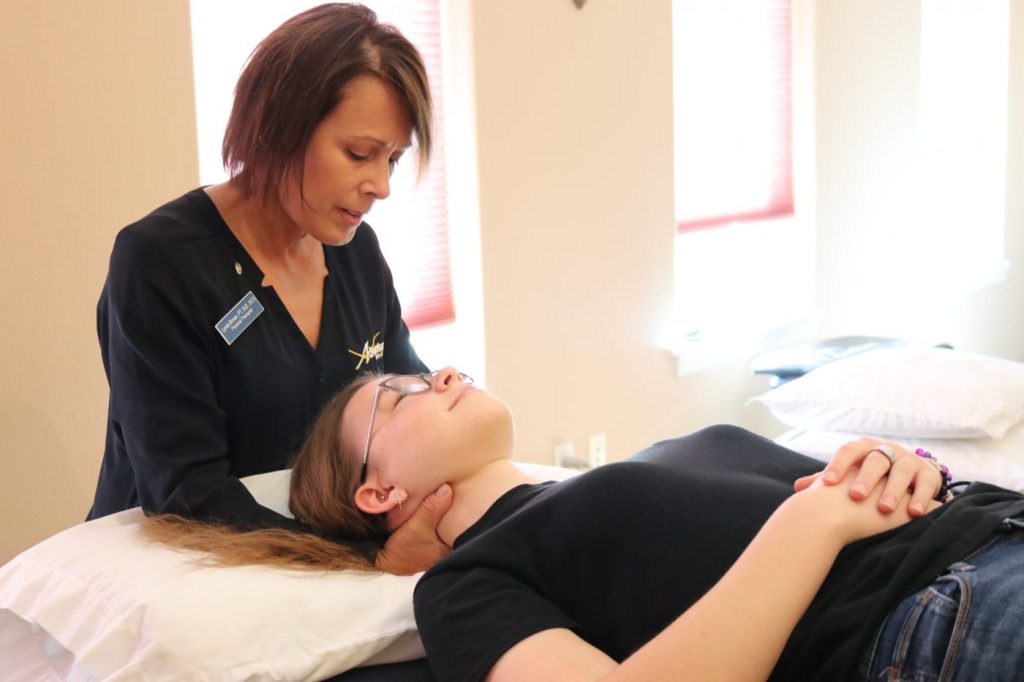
254 275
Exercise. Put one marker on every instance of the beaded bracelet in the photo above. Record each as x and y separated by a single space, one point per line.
947 478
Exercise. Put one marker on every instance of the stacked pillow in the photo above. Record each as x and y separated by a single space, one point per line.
967 409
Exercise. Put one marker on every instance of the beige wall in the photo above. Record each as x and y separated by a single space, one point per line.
574 117
575 161
97 128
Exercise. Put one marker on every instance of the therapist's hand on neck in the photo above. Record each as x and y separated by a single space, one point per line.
415 545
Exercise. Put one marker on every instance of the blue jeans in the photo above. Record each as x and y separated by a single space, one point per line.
968 625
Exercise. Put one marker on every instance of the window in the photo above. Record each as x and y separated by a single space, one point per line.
732 83
908 129
413 223
929 169
743 131
962 141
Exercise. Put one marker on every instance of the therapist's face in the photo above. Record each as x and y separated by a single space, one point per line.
348 161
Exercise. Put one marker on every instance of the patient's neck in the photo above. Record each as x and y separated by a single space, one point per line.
473 496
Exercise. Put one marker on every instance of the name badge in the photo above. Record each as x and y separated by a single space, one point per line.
239 318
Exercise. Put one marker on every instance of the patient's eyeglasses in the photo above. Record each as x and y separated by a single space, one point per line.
403 385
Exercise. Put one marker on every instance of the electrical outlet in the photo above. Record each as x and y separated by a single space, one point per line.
564 454
597 450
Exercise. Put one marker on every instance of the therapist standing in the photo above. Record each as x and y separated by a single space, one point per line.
230 315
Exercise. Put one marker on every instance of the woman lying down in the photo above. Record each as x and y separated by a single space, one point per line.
695 560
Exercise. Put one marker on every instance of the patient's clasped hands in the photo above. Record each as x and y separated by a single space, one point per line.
908 483
852 519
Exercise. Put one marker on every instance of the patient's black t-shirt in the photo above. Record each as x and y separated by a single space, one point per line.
616 554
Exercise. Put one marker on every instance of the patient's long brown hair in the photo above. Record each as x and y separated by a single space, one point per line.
322 494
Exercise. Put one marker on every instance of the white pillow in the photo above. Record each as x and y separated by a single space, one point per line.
100 602
993 460
906 392
97 602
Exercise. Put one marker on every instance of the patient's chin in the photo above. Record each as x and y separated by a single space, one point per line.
498 425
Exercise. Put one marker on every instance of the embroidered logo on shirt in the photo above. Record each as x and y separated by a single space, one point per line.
372 350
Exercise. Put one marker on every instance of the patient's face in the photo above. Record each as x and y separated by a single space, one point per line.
423 440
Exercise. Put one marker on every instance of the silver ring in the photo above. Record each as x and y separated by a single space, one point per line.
887 451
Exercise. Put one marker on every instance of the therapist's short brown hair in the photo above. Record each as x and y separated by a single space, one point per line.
293 80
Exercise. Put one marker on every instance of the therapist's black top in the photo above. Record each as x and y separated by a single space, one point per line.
189 413
618 553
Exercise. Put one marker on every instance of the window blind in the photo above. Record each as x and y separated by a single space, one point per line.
732 72
413 223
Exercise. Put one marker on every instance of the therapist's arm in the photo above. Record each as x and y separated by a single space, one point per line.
164 398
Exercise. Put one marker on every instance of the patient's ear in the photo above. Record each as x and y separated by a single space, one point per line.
372 499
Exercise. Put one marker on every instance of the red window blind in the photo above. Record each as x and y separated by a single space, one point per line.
413 223
733 117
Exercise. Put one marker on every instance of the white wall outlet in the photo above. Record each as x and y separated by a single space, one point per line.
564 454
597 450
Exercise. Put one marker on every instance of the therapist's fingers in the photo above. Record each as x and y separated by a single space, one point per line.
415 546
433 508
